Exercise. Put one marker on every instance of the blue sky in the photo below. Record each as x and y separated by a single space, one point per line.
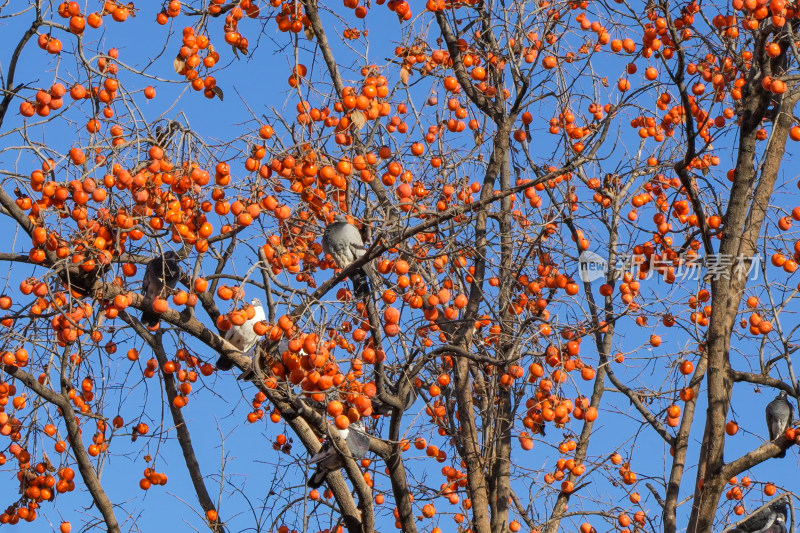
236 457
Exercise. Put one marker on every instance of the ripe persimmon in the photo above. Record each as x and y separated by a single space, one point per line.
160 305
342 422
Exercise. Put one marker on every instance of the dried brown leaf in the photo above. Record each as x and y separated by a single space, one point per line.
179 64
404 74
358 119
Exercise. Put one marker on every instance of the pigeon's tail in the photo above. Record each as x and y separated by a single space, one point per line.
325 453
224 363
360 283
248 375
150 319
316 480
380 408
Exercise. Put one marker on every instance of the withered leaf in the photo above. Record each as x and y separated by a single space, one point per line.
404 74
179 64
358 119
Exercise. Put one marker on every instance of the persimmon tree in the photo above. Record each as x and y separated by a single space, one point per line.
487 152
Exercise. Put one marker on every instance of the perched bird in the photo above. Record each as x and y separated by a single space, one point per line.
779 415
343 243
160 277
328 459
243 337
381 408
779 526
771 519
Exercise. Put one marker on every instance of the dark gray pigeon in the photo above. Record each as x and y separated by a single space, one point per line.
328 459
344 244
779 415
779 526
771 519
160 277
242 337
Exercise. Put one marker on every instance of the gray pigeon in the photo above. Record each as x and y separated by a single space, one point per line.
242 337
160 277
381 408
779 526
344 244
328 459
771 519
779 415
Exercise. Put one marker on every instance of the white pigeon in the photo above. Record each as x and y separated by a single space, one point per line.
242 337
328 459
343 243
